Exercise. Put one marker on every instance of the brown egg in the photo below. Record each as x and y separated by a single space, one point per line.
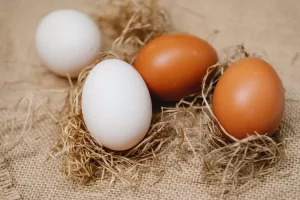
249 98
174 65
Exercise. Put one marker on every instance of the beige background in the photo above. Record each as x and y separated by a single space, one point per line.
269 27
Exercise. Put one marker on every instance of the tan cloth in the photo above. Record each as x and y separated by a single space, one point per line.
269 26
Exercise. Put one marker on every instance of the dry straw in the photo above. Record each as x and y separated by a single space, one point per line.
231 165
19 125
134 23
84 158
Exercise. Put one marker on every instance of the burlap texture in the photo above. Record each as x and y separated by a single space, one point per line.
270 27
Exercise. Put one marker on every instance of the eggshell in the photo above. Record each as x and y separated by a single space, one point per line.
116 105
67 41
249 98
174 65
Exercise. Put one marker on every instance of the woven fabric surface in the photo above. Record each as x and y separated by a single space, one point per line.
269 27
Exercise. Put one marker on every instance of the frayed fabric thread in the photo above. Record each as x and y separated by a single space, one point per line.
7 190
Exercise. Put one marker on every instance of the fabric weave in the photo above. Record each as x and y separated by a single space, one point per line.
270 27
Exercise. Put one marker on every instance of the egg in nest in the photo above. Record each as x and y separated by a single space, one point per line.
249 98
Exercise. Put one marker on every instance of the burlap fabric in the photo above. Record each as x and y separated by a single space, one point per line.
270 26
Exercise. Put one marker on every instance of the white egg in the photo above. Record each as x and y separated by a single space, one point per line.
116 105
67 41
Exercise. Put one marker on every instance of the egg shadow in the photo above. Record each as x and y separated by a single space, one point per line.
157 104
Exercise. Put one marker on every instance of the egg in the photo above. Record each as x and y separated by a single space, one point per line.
67 41
174 65
249 98
116 105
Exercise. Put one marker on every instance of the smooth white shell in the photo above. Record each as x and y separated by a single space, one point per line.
67 41
116 105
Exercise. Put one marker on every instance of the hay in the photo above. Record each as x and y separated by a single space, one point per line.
231 166
19 120
84 158
134 22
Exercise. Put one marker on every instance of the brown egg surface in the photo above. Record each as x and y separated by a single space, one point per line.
249 98
174 65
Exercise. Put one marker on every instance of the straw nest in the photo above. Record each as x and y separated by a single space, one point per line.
230 164
83 157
